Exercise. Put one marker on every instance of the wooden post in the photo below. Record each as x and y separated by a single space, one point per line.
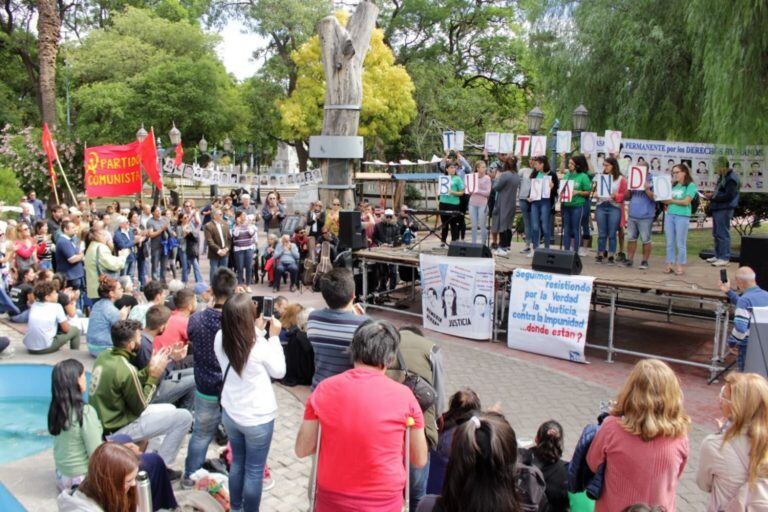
343 51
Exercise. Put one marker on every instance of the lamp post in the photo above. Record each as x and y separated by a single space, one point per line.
580 119
141 134
534 119
175 135
203 145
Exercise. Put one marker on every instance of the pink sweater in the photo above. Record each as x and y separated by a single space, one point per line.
636 471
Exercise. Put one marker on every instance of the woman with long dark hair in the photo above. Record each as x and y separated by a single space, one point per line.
481 471
505 187
608 211
249 361
546 455
77 436
573 209
449 301
541 209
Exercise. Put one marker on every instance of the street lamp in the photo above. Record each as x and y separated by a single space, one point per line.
141 135
203 145
534 118
174 135
580 119
227 145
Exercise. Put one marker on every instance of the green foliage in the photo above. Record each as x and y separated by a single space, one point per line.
261 94
147 69
752 210
10 192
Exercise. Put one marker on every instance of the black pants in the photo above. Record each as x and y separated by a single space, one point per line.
449 222
505 239
463 207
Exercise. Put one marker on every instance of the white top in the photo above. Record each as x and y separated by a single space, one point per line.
43 324
249 398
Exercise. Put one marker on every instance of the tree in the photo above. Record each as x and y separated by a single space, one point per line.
48 34
388 105
146 69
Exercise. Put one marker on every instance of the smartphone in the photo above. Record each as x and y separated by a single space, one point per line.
723 276
268 308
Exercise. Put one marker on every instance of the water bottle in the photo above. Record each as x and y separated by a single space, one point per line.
143 493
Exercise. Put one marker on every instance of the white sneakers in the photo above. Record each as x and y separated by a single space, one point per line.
583 252
712 259
720 263
529 255
500 252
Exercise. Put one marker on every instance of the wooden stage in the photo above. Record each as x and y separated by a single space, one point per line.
692 295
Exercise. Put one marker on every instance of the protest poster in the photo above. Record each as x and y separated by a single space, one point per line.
546 187
445 184
522 145
563 141
604 183
588 143
491 142
539 145
470 183
637 176
112 171
662 188
453 140
549 313
612 141
457 296
506 142
536 187
566 190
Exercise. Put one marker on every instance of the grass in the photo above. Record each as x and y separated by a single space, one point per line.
701 239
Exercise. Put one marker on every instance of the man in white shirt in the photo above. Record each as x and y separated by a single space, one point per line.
48 328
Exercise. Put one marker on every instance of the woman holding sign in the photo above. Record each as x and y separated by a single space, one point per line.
451 202
611 189
576 190
678 217
544 186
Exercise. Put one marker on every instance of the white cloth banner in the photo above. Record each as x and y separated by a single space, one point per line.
549 313
457 295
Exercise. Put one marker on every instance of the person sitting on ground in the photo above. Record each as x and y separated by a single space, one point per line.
201 331
77 433
546 455
100 261
752 296
250 360
481 471
155 292
643 443
48 328
121 394
177 387
204 296
104 315
360 465
733 466
463 405
330 330
299 356
67 296
286 258
22 297
175 331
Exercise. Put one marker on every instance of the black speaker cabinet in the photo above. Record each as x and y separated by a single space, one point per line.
351 234
754 254
557 262
469 250
214 191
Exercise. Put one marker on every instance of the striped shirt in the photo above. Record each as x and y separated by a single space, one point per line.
754 297
245 237
330 331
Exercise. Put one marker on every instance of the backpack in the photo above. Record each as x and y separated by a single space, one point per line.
530 484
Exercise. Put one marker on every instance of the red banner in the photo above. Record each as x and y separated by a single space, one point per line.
50 151
112 171
148 153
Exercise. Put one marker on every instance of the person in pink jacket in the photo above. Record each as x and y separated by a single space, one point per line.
644 441
478 202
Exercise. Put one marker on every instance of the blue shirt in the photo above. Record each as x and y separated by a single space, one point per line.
754 297
330 332
201 330
641 206
104 315
65 249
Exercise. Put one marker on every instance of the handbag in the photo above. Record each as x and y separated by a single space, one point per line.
423 391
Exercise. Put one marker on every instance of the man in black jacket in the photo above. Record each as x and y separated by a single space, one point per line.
387 234
723 202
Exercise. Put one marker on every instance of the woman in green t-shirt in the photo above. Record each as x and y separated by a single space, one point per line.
573 210
678 217
451 202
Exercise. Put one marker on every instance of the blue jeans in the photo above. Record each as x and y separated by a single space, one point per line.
142 264
608 218
244 264
721 231
572 227
159 260
207 418
6 304
525 210
282 268
21 318
215 264
47 265
540 222
127 270
477 215
190 262
250 447
676 234
418 484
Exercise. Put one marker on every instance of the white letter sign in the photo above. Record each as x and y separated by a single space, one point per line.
612 141
491 142
539 145
564 142
522 145
637 174
662 187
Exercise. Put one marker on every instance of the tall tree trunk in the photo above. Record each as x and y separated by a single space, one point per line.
302 153
48 34
343 51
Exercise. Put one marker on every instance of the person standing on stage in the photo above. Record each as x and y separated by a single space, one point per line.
503 219
541 210
451 202
723 202
752 296
572 211
608 212
478 203
678 217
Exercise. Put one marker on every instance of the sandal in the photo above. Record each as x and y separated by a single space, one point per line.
679 272
669 270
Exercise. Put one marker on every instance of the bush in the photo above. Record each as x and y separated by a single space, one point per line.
752 209
10 192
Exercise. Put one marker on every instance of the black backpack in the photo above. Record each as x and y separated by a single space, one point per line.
530 484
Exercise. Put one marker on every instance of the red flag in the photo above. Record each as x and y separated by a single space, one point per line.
148 154
50 151
179 155
112 171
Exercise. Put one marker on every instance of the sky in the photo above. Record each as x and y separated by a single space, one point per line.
236 50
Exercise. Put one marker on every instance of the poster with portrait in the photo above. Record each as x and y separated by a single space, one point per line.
457 295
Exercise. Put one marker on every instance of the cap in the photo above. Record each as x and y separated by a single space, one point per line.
201 288
389 211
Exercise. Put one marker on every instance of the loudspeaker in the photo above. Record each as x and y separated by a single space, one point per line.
351 234
753 254
557 262
469 250
214 191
